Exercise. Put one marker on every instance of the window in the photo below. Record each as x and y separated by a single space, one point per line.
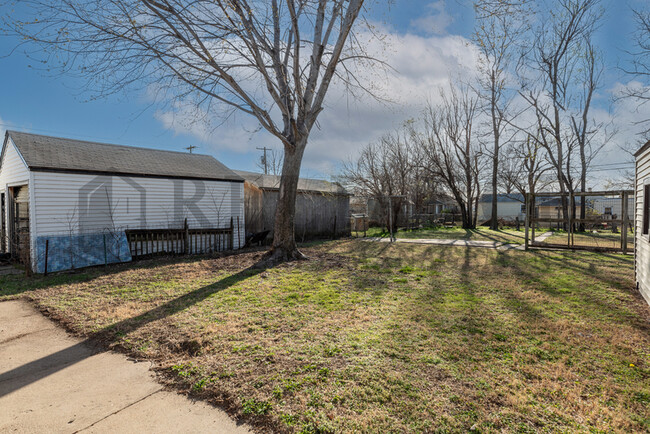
608 210
523 208
646 208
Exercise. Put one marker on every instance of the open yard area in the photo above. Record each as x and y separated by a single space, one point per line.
375 337
600 239
511 236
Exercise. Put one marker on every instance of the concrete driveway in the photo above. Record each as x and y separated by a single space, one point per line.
52 382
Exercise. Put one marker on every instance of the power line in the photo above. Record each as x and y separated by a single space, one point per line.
622 163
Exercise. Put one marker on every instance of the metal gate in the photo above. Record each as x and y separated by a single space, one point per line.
597 221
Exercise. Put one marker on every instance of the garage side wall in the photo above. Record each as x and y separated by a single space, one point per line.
13 171
642 242
99 208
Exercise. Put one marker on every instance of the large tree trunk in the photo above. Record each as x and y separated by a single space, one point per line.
284 247
494 215
583 188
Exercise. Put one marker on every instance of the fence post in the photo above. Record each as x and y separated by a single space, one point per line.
47 248
527 222
186 238
570 218
232 234
105 255
238 234
624 225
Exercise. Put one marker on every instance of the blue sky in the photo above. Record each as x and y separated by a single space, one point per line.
33 101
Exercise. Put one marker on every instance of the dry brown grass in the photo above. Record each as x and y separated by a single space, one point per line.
377 338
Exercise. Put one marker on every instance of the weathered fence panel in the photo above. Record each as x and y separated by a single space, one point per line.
149 242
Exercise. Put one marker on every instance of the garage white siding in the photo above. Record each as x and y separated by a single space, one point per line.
642 242
12 168
13 171
78 203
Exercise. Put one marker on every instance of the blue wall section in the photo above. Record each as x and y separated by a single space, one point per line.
77 251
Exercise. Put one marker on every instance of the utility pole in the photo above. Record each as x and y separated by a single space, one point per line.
264 160
191 148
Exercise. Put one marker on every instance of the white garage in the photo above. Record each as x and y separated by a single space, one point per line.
70 203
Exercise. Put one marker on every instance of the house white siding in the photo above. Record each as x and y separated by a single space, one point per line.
78 203
642 242
505 210
615 205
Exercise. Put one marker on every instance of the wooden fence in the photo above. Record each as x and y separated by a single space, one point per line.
186 241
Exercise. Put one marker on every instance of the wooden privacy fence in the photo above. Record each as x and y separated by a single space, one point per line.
186 241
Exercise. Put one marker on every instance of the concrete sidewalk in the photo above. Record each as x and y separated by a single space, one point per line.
52 382
462 243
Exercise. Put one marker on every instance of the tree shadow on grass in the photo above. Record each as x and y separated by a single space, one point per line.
12 286
36 370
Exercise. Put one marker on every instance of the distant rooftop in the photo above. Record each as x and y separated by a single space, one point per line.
69 155
272 182
504 197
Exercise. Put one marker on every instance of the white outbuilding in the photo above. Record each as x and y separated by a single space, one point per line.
70 203
642 221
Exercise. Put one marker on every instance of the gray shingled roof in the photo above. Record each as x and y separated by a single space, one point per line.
272 182
68 155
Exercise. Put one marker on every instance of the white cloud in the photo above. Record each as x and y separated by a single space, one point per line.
422 65
436 22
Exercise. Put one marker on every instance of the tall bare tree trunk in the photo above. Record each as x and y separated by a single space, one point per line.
494 216
284 247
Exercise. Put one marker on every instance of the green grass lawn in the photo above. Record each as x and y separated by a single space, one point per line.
373 337
456 233
599 238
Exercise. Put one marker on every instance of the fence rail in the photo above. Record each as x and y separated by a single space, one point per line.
599 221
146 242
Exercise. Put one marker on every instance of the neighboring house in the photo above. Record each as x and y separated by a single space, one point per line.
322 207
74 202
509 207
438 205
609 207
548 208
597 207
429 209
642 221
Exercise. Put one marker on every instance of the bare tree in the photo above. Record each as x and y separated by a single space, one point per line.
270 59
452 152
585 129
383 169
640 63
498 29
557 40
271 162
525 167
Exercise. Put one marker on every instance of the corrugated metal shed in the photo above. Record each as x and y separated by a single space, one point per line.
45 153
